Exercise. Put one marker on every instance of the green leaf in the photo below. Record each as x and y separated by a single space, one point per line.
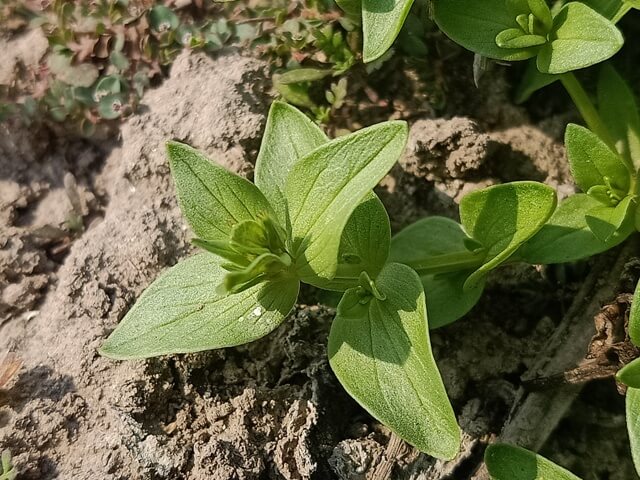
634 317
325 187
288 136
532 81
605 222
476 24
630 374
507 462
351 7
380 352
619 111
299 75
580 37
162 19
213 199
364 246
566 237
633 424
381 24
591 160
110 106
503 217
429 239
606 8
181 312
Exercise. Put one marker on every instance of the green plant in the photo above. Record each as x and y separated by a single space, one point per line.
8 471
310 217
508 462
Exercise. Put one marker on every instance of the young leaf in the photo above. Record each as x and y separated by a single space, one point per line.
503 217
634 317
619 111
434 239
325 187
288 136
213 199
380 352
592 162
364 246
580 37
633 424
181 312
507 462
351 7
566 237
630 374
381 23
476 24
606 222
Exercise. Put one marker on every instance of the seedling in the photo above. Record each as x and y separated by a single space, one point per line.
508 462
8 471
310 217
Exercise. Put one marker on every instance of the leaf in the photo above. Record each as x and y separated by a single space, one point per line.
591 160
508 462
634 317
381 354
213 199
566 237
606 8
325 187
111 106
81 75
630 374
351 7
605 222
381 24
532 81
619 111
181 312
299 75
162 19
364 246
288 136
503 217
476 24
427 239
580 37
633 424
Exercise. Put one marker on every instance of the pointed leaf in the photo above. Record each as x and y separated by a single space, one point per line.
580 37
381 23
605 222
213 199
181 312
633 424
566 237
591 160
380 352
476 24
634 317
619 111
630 374
364 246
507 462
503 217
325 187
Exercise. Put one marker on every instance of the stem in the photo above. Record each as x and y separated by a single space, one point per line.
586 108
449 262
624 9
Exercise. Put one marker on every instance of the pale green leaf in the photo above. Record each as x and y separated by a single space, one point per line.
364 246
381 23
288 136
634 317
633 424
503 217
325 187
619 111
380 352
630 374
566 237
300 75
606 222
591 160
580 37
181 312
476 24
507 462
213 199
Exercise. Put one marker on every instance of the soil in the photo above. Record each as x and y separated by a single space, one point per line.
271 409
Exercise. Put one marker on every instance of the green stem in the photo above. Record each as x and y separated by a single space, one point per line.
449 262
624 9
586 108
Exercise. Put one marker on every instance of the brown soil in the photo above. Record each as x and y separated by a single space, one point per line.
272 409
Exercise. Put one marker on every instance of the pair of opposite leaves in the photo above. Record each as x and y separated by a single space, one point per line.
578 38
320 192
